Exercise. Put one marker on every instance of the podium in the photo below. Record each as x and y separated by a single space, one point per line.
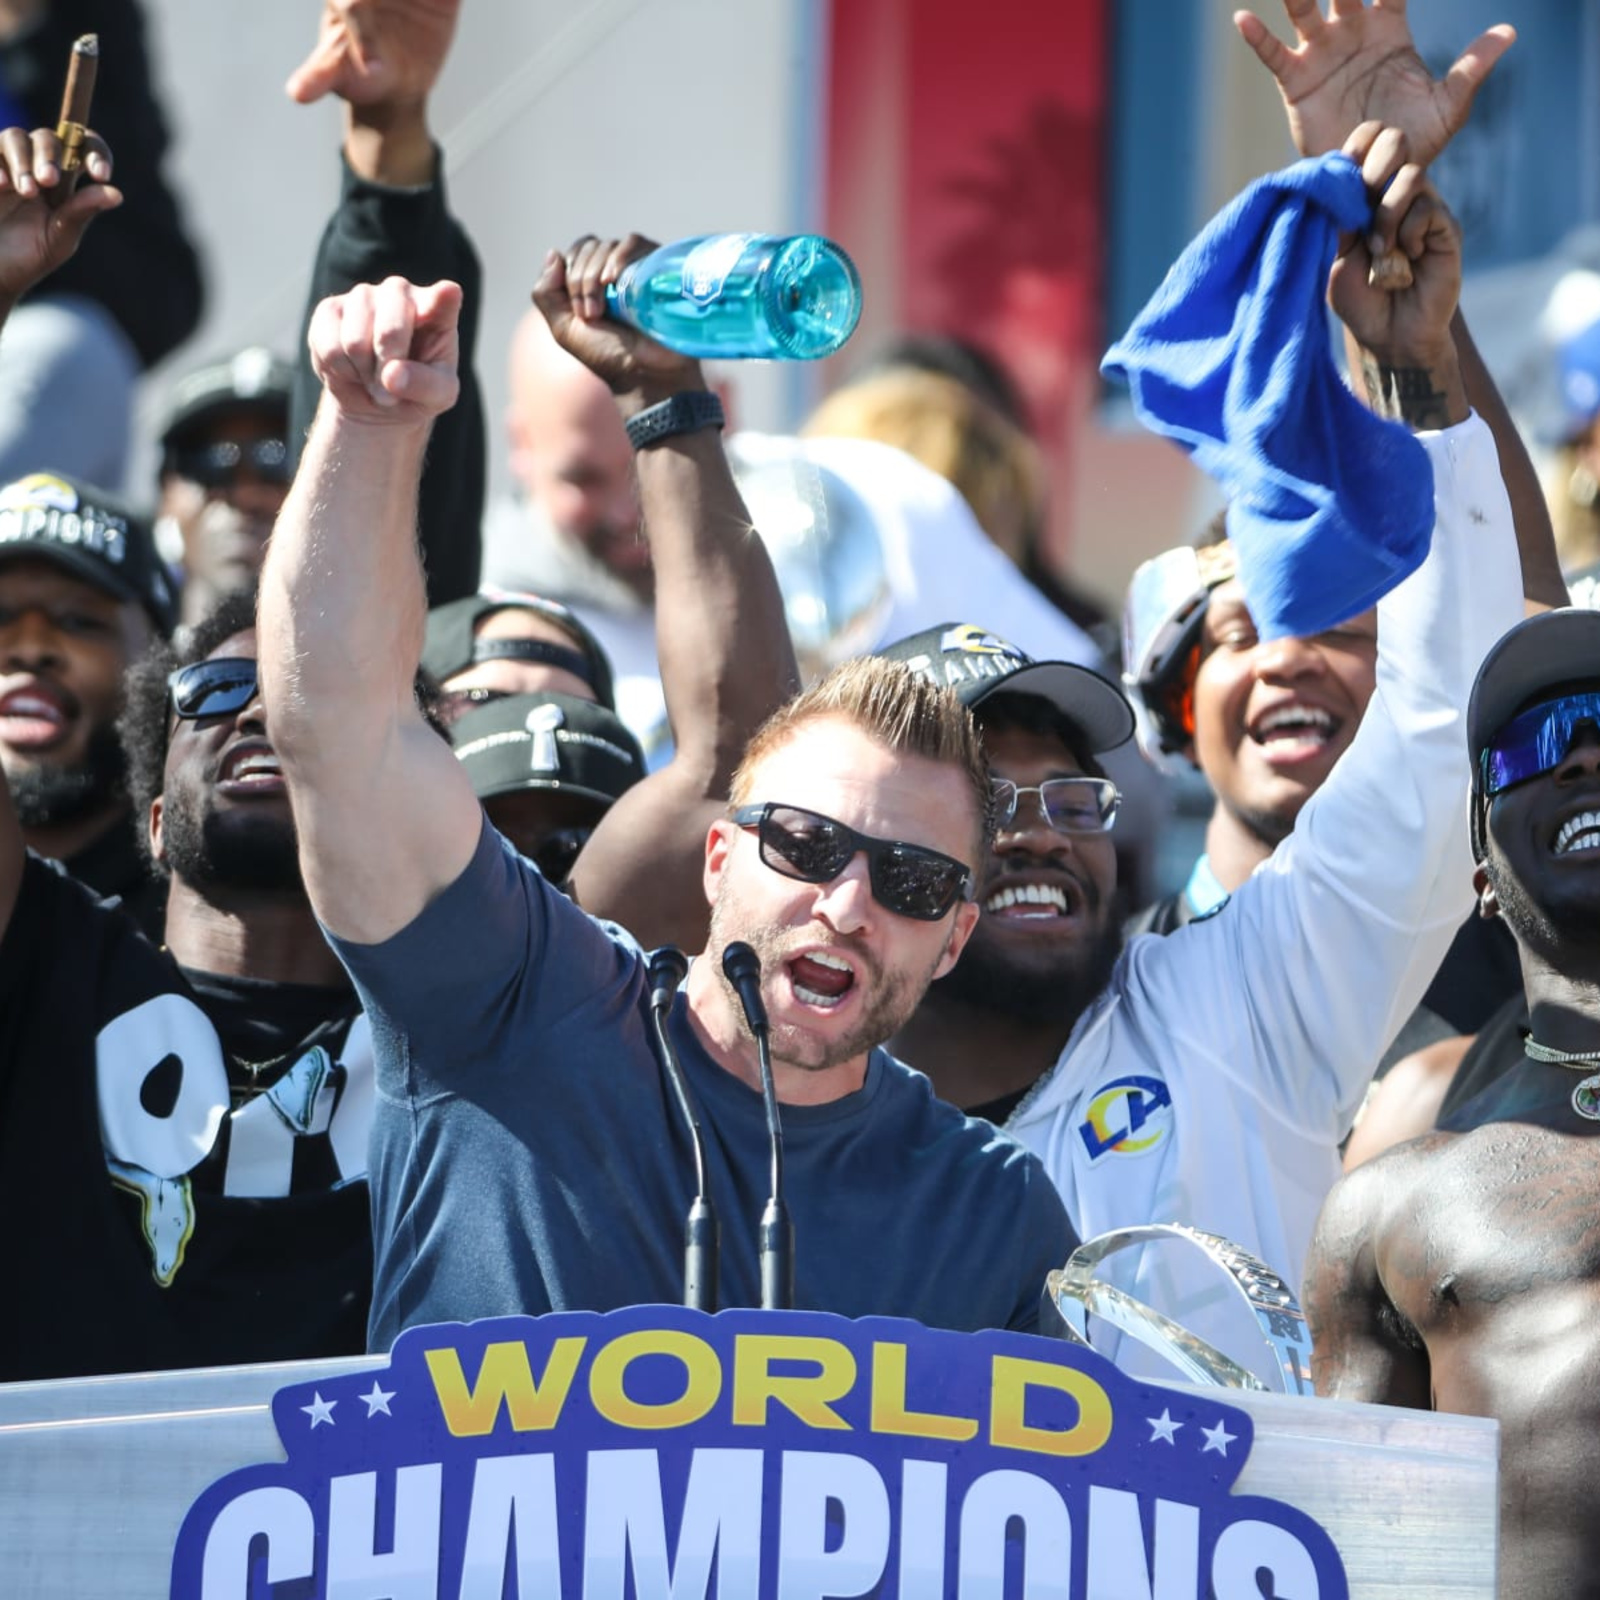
101 1480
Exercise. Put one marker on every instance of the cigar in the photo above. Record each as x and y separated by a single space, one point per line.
1390 271
73 128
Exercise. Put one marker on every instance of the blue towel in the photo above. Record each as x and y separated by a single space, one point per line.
1329 505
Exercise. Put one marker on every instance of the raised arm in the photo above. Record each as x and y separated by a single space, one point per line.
1361 64
384 811
35 238
1362 1347
1332 943
1404 355
721 638
383 58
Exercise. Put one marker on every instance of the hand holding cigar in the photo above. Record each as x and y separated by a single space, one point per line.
72 129
42 220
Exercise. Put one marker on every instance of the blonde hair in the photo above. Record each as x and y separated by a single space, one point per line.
894 706
957 434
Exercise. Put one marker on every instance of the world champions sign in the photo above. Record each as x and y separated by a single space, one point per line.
662 1454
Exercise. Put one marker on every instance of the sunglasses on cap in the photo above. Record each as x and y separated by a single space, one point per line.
454 704
1069 805
907 879
1536 740
213 465
218 688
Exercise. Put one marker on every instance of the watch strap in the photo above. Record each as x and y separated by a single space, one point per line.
688 412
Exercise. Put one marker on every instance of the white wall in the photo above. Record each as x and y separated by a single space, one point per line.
668 116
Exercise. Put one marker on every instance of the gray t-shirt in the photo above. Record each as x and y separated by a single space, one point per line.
527 1154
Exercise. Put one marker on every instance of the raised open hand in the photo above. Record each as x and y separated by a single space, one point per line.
386 353
36 236
377 52
1359 64
571 294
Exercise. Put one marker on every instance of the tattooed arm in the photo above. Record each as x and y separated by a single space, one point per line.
1403 355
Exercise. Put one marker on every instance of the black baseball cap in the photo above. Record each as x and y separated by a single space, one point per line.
977 664
251 378
92 534
451 645
547 741
1541 653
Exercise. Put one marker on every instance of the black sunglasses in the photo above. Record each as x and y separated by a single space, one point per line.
454 704
219 688
1069 805
907 879
213 465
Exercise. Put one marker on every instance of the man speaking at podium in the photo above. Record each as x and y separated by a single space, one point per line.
530 1149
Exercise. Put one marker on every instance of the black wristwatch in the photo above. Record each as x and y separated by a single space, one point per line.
683 413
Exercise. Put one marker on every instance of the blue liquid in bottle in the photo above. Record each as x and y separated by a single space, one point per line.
743 296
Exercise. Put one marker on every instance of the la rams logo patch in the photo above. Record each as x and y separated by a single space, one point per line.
39 490
971 639
1127 1117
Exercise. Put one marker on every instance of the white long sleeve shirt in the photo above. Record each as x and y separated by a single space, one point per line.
1213 1080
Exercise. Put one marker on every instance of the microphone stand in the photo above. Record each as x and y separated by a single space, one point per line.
666 971
775 1238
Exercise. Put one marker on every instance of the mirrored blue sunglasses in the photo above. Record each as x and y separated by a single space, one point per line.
1536 740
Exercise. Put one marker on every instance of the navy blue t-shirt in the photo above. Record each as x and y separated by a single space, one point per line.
528 1155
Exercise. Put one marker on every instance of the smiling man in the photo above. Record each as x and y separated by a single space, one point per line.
83 595
522 1105
1263 721
1458 1272
1048 935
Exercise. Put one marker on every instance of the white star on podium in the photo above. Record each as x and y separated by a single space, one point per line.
320 1410
1218 1439
1163 1427
378 1400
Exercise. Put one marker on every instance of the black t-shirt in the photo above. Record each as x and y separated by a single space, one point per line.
117 869
172 1204
1495 1051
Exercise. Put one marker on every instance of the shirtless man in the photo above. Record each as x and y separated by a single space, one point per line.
1459 1272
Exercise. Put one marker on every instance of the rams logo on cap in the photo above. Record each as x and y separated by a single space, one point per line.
42 509
1127 1117
972 640
41 490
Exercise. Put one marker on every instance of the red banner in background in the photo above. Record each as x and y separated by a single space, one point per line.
965 174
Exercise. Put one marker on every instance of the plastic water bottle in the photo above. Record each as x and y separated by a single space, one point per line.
738 296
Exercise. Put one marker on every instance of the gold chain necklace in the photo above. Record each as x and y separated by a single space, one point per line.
1586 1097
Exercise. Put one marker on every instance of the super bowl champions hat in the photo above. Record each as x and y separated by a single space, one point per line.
1540 653
251 378
547 741
93 535
977 664
451 645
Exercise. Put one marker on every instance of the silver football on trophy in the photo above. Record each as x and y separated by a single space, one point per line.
1079 1293
825 549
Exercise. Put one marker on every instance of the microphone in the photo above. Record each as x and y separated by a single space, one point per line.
667 969
741 966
